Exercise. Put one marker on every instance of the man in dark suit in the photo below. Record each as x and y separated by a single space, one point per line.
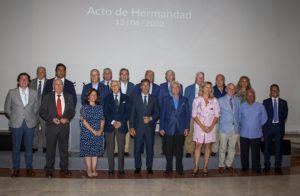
57 109
60 72
127 88
174 126
116 112
165 91
107 77
154 88
21 107
191 92
274 128
144 114
38 85
96 84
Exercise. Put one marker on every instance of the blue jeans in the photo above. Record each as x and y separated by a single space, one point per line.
17 134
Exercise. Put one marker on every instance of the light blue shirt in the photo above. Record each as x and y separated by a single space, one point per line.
229 121
175 101
252 118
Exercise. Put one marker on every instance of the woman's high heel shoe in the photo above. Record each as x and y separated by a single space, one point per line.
204 173
194 174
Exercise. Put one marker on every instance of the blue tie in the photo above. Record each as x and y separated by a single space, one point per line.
275 118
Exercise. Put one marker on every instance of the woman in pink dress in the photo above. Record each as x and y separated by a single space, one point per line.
205 112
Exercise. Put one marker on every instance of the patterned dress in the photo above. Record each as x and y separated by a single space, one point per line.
91 145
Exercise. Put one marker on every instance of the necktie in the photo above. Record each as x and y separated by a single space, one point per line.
58 106
107 85
275 118
39 92
116 102
230 102
145 101
25 97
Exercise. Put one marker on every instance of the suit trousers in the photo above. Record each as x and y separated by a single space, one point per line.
274 134
189 144
110 145
174 146
139 140
39 137
17 134
227 144
57 134
254 145
127 142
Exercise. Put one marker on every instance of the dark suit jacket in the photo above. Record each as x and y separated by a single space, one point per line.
164 91
138 111
48 109
68 87
170 118
155 89
34 85
111 113
282 114
130 89
189 93
102 92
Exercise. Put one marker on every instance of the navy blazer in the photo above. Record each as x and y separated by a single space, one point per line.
155 89
138 111
111 113
170 118
164 91
68 87
102 92
282 114
130 89
189 93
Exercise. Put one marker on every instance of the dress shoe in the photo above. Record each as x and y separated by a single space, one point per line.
34 150
167 172
266 169
221 170
213 154
180 173
66 172
229 169
188 155
244 169
195 173
30 173
111 173
150 171
258 171
44 150
137 171
204 173
121 173
115 154
49 174
126 154
278 171
15 173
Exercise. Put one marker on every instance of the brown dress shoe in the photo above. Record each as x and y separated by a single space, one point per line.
66 172
29 173
221 170
15 173
229 169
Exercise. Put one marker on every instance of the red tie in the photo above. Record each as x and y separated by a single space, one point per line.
58 106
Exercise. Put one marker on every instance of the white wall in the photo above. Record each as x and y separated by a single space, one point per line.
258 38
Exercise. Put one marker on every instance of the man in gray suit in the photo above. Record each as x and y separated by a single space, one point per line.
57 109
21 106
38 84
144 114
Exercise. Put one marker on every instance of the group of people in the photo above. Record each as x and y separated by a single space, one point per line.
223 119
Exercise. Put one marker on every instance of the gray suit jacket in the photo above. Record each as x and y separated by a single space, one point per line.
34 85
16 111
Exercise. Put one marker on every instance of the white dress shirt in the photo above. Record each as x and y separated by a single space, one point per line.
24 93
123 87
197 88
42 85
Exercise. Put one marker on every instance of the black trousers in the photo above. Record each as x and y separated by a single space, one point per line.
254 145
174 146
57 134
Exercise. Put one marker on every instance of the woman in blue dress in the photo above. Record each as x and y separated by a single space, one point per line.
91 132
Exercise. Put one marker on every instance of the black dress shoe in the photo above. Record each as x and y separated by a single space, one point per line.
30 173
244 169
44 150
137 171
258 171
34 150
188 155
167 172
266 169
278 171
15 173
111 173
49 174
126 154
66 172
121 173
150 171
213 154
